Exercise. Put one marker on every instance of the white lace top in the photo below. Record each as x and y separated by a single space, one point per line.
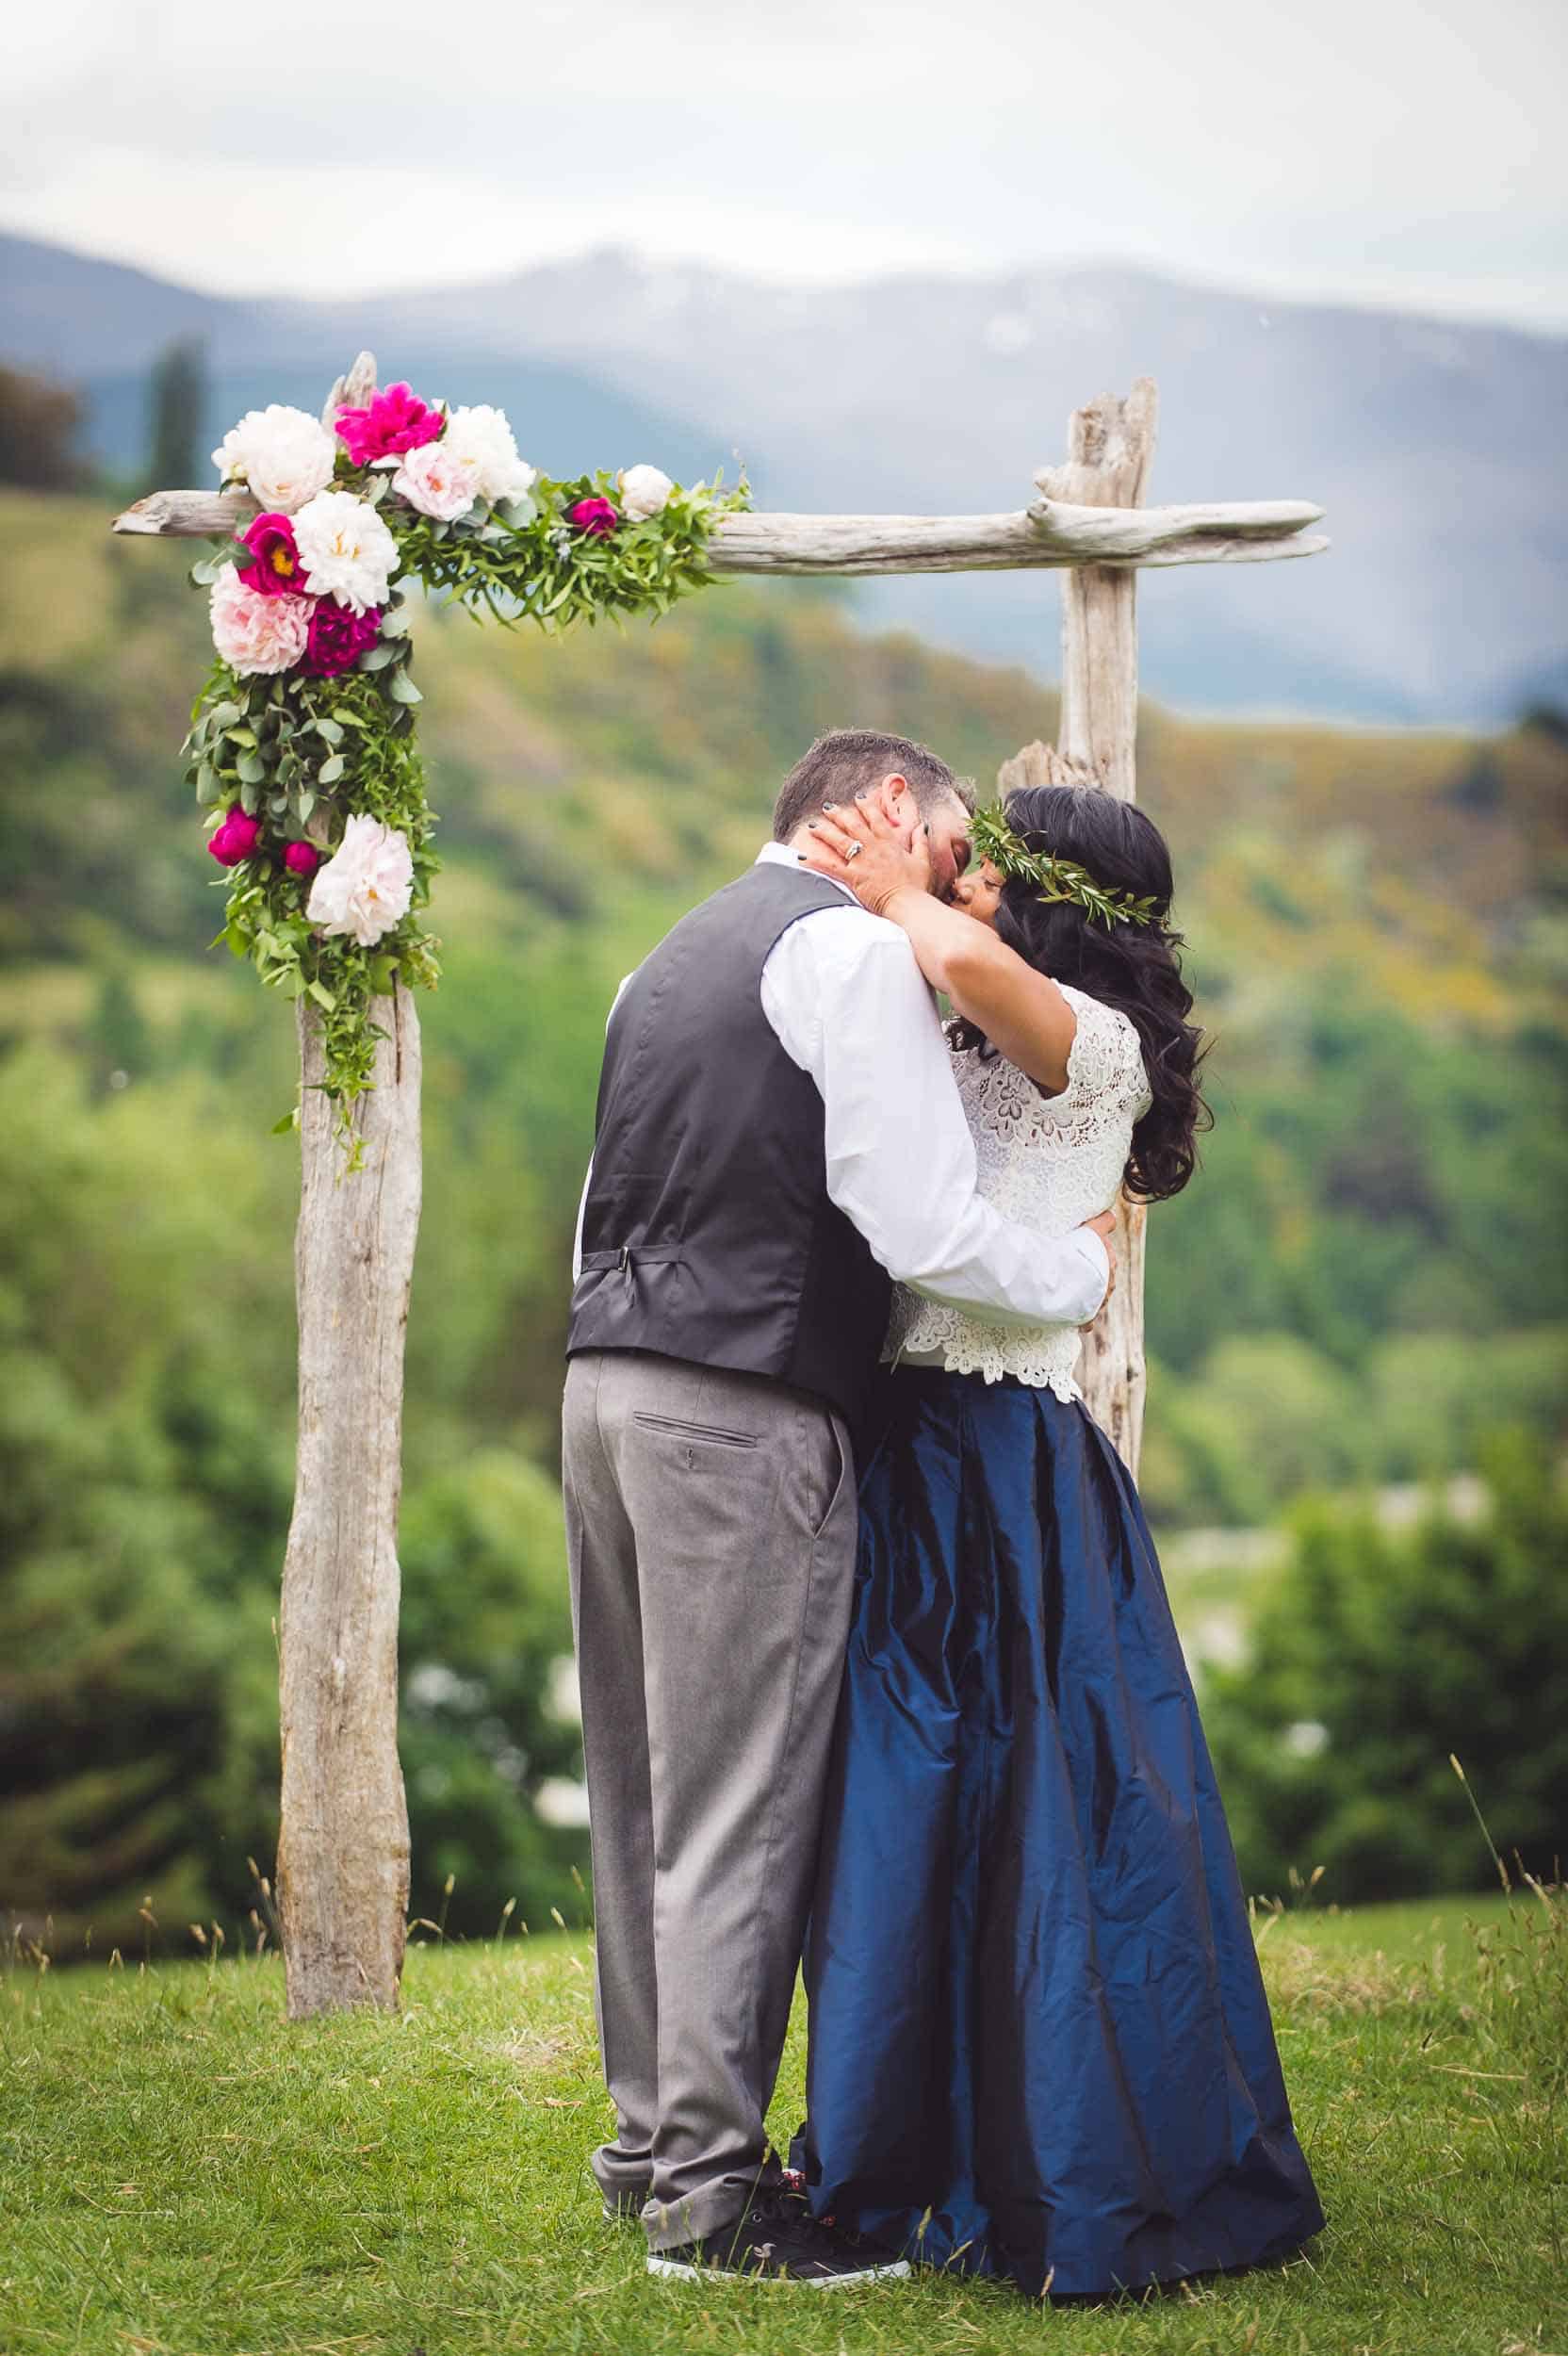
1050 1162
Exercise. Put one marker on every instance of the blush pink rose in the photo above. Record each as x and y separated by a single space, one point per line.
301 858
338 636
274 569
393 421
255 631
234 840
595 518
438 482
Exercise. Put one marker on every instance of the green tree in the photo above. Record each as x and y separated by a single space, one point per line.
40 423
1377 1656
177 400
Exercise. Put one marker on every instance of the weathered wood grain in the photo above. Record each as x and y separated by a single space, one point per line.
343 1854
1046 536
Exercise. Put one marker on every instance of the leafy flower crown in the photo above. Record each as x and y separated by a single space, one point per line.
991 838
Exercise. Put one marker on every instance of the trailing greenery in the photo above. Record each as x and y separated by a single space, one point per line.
184 2168
301 753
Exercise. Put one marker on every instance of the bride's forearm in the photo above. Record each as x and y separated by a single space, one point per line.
1020 1011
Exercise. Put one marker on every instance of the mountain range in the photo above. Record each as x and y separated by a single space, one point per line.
1440 602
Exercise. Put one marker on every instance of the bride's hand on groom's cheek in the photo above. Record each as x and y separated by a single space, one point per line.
872 851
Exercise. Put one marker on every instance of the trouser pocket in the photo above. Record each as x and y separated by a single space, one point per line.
713 1434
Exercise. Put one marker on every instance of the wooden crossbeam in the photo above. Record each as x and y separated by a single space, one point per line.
1047 535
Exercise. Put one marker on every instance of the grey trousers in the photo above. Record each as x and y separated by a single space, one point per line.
710 1529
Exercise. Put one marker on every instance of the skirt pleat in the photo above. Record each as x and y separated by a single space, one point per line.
1040 2041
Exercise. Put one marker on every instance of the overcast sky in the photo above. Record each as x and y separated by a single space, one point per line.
1380 150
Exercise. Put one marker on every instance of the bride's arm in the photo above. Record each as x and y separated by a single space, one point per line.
1022 1012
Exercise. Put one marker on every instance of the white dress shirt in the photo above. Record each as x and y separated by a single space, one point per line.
851 1007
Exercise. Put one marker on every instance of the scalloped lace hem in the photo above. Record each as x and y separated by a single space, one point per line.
1033 1371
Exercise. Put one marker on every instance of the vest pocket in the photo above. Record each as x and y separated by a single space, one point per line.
713 1433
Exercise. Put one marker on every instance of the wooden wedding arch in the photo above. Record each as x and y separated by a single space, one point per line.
343 1852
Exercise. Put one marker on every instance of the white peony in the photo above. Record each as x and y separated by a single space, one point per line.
283 455
483 438
437 481
255 633
645 491
345 550
365 887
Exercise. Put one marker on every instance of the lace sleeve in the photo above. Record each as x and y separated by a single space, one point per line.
1104 1064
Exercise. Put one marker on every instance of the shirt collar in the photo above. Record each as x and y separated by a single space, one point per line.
780 855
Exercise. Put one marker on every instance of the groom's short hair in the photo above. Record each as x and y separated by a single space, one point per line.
847 762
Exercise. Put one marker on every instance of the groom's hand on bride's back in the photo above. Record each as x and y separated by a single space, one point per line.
1104 1227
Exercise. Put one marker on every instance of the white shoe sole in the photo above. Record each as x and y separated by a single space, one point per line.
895 2271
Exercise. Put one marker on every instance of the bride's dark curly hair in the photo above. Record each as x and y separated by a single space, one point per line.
1135 968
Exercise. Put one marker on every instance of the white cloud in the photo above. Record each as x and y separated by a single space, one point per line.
1404 153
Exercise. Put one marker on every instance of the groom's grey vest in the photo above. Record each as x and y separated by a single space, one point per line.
709 1233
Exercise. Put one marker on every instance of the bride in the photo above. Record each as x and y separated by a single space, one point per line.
1040 2043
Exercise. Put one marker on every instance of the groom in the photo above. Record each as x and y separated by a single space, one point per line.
779 1137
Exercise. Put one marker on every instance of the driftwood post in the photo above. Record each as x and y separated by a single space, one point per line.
343 1842
1110 447
343 1850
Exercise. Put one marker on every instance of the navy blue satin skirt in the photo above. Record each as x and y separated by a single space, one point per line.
1039 2042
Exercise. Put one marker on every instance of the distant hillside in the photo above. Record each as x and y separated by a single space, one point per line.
1443 597
1360 1279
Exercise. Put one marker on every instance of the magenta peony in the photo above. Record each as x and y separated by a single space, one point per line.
338 636
255 631
595 518
274 569
234 840
301 858
394 421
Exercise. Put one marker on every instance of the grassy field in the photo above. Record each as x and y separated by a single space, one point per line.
183 2173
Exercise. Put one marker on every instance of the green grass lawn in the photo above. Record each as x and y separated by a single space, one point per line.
184 2172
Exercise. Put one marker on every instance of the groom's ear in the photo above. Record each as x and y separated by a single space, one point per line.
898 800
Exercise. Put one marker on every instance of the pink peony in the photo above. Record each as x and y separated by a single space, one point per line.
254 630
438 482
597 519
393 422
274 569
338 636
236 838
301 858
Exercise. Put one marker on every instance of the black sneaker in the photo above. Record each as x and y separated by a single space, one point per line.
777 2240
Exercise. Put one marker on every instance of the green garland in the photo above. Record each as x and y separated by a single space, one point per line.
993 838
303 754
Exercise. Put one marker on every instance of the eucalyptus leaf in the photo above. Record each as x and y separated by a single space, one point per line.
331 770
403 691
329 729
249 799
307 802
250 769
242 736
377 658
224 715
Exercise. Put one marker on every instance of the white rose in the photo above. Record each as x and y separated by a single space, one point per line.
283 456
345 550
437 481
365 887
483 438
645 491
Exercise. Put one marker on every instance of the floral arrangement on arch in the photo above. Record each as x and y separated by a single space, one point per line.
302 742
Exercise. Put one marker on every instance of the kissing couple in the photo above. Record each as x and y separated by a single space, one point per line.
876 1659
